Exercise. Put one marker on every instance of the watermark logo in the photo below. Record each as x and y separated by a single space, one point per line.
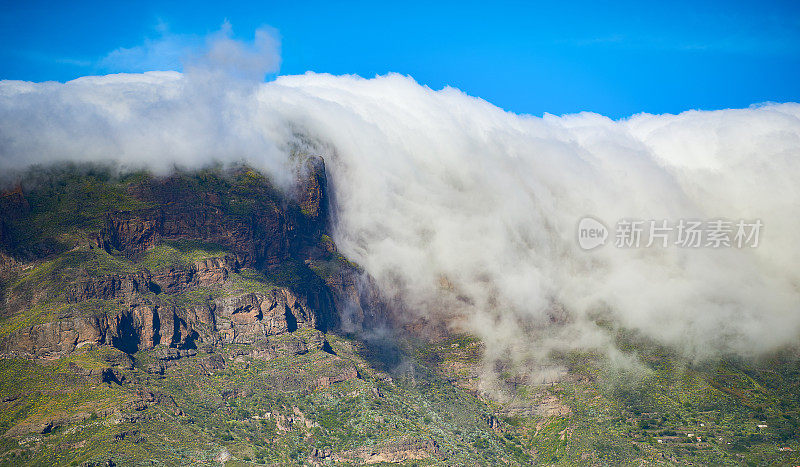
591 233
685 233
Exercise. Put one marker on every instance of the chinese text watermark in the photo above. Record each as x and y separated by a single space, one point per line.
661 233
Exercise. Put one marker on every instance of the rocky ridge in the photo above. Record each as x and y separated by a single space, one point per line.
194 302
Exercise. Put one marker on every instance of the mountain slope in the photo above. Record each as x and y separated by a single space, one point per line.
196 318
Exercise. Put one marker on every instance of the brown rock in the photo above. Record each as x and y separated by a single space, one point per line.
311 188
394 452
136 312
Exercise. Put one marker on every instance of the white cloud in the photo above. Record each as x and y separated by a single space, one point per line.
468 213
235 58
163 53
218 51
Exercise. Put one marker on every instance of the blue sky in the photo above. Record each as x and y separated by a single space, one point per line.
558 57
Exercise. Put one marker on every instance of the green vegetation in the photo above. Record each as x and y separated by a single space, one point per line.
178 254
275 409
64 204
284 399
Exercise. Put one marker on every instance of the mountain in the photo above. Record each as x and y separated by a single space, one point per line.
207 317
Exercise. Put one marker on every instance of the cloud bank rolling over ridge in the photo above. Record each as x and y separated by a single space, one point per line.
468 213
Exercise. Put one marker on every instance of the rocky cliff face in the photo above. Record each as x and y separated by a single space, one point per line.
13 206
260 226
192 303
127 311
262 239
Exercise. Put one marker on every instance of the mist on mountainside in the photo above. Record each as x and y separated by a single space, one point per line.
464 214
